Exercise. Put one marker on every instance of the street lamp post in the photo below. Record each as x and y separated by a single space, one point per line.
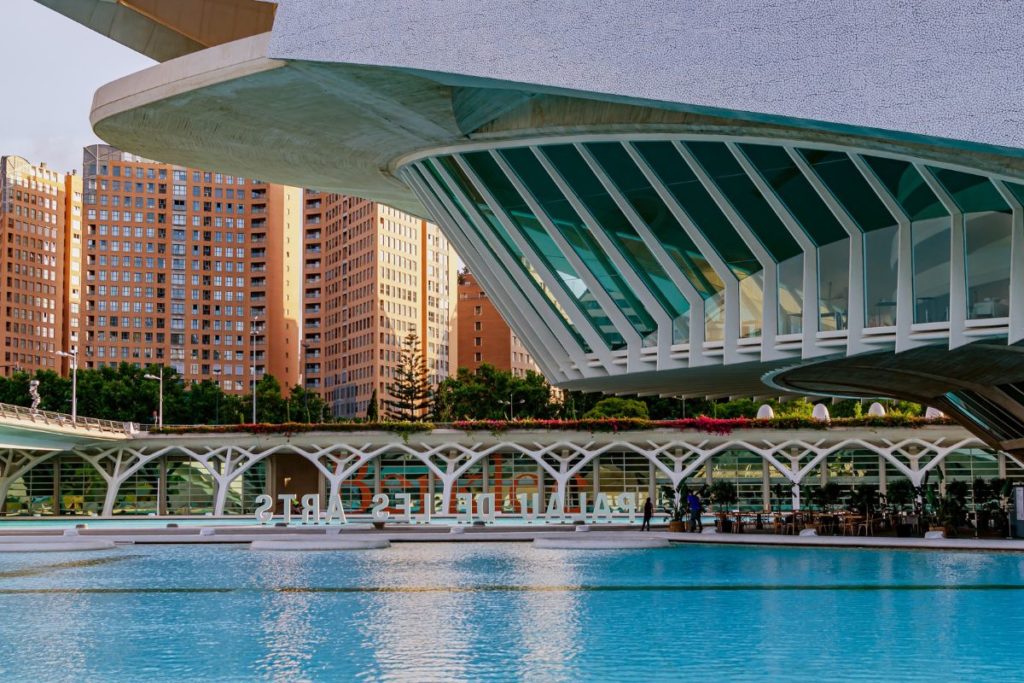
252 368
73 355
511 405
216 373
160 413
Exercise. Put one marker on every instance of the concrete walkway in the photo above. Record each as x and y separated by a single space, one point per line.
442 534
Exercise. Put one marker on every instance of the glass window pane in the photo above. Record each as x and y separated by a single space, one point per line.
780 171
791 295
833 286
719 163
603 208
688 191
751 305
881 264
907 187
931 239
455 171
519 213
988 232
580 238
849 188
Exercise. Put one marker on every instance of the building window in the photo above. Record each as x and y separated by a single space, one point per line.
477 357
476 341
478 310
477 326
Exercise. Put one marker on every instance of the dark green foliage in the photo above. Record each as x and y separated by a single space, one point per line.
410 391
723 494
617 407
491 394
373 409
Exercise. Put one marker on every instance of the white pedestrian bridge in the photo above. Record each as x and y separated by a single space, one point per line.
56 469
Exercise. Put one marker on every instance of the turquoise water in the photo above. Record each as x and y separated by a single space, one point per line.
489 611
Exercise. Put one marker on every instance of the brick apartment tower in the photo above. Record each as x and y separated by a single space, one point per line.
192 269
484 336
372 274
34 201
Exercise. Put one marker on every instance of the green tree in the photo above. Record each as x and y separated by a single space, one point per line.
488 393
410 391
305 405
270 405
373 408
614 406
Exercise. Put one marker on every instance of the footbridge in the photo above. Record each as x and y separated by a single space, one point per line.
126 472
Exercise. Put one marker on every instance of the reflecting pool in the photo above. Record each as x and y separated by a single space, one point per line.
508 611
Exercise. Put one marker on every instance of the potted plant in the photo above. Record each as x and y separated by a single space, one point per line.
825 497
900 494
989 511
675 506
724 494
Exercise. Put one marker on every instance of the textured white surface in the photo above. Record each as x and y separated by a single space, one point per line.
608 542
930 67
299 544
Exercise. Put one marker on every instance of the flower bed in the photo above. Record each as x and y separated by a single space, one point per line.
709 425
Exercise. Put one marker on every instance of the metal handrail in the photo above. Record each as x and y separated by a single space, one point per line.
47 417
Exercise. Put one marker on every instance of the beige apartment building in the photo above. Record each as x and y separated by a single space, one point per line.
188 268
372 274
484 336
34 203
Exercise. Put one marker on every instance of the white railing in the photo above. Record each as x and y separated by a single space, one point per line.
93 424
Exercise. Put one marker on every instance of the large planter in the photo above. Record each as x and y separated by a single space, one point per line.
677 527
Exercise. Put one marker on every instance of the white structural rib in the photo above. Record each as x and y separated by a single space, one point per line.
904 262
855 313
957 262
532 329
610 308
612 251
731 282
809 319
770 300
554 333
652 243
1016 326
582 321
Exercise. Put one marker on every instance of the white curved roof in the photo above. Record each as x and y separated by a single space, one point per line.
946 69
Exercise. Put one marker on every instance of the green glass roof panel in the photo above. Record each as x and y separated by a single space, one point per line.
1016 190
603 208
674 173
533 231
849 187
456 172
644 200
564 218
719 163
972 193
794 190
907 187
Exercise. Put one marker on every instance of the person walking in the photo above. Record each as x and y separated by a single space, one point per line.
696 507
648 513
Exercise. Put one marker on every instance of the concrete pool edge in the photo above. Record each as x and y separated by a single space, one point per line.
243 535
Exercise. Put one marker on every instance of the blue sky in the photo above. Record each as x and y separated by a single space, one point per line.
52 67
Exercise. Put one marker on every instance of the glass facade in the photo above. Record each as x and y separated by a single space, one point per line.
644 232
988 230
930 235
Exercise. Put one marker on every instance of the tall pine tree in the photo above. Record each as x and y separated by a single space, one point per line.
410 392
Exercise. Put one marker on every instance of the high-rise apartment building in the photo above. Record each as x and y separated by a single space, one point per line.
372 275
193 269
33 203
484 336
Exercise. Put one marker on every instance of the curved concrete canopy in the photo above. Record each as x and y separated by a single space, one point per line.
372 98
